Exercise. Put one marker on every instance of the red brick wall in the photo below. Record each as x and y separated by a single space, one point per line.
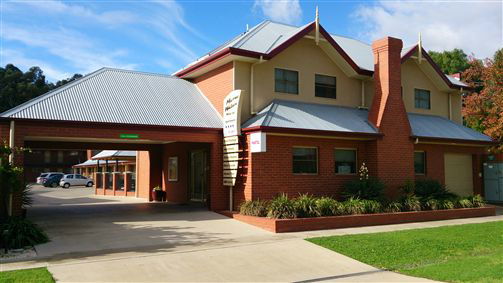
178 191
392 155
270 173
216 84
435 162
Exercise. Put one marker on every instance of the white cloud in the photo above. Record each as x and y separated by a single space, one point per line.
476 27
284 11
21 61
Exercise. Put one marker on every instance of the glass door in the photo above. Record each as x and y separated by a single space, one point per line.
198 175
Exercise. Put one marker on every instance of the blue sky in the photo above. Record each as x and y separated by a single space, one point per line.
66 37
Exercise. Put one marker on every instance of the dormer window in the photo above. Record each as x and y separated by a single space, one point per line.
325 86
286 81
422 98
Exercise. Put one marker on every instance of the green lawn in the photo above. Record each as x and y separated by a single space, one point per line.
461 253
38 275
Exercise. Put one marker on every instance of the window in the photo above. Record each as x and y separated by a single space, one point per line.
345 161
173 168
305 160
69 177
325 86
47 156
420 162
60 156
422 98
286 81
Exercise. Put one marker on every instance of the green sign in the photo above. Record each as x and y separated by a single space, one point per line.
129 136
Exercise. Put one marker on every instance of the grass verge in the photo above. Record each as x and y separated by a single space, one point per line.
461 253
38 275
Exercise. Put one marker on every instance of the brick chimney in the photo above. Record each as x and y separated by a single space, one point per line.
394 152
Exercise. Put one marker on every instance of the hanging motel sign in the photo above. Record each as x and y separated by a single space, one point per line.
232 130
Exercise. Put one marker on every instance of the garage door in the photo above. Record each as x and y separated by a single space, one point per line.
458 173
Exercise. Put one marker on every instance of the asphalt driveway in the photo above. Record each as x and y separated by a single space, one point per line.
118 239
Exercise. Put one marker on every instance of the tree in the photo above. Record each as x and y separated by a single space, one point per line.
483 110
451 62
17 87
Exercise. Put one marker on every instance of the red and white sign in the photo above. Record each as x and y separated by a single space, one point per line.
258 142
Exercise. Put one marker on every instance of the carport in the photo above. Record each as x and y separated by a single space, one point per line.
160 116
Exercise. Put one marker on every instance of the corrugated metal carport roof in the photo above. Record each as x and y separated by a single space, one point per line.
125 97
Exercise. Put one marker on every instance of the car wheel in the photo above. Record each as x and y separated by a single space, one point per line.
66 185
89 184
54 185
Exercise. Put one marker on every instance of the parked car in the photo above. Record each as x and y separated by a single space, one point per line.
53 181
44 176
75 180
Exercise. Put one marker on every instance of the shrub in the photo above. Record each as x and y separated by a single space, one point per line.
445 204
326 206
393 206
464 203
19 233
428 188
305 206
254 208
364 187
431 204
372 206
411 203
353 206
282 207
477 201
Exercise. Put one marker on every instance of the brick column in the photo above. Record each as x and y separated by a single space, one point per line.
392 156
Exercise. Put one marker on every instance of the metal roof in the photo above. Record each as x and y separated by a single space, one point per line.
95 163
310 116
114 154
455 81
438 127
126 97
268 35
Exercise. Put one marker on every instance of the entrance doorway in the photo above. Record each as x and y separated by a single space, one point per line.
198 176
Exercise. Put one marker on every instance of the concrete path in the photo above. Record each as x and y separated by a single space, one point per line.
104 239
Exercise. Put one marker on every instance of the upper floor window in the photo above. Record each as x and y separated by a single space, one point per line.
305 160
325 86
422 98
420 162
47 156
345 161
286 81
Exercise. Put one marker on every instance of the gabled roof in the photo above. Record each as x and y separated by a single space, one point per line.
95 163
125 97
322 117
269 38
311 116
115 154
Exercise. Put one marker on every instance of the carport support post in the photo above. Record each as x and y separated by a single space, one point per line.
231 189
11 158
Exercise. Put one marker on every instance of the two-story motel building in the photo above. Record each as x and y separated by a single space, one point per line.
317 105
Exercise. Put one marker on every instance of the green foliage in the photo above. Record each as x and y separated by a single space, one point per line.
393 206
364 187
429 188
11 180
450 62
353 206
446 204
411 203
254 208
463 203
477 201
305 206
326 206
282 207
457 253
17 87
372 206
19 233
431 204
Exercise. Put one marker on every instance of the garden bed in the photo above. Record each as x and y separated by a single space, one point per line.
358 220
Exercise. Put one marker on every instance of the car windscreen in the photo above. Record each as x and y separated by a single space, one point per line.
43 175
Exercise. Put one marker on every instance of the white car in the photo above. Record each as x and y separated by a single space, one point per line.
44 176
75 180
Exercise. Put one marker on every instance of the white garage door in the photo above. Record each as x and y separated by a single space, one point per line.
458 173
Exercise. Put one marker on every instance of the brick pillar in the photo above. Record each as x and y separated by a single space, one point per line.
219 195
115 179
393 154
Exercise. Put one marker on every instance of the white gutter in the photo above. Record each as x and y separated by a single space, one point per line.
252 108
